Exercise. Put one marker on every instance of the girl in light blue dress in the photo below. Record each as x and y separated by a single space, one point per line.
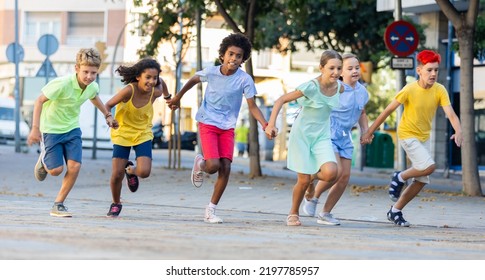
342 120
310 151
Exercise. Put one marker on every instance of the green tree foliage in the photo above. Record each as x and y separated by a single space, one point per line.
160 22
280 24
479 43
381 92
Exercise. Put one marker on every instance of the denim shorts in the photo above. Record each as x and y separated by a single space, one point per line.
60 148
141 150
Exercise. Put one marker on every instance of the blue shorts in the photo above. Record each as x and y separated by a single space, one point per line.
241 147
141 150
62 147
343 145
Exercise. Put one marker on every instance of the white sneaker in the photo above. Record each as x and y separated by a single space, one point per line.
210 216
197 176
327 219
310 206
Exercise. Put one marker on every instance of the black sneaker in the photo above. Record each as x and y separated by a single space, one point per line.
397 218
131 179
395 187
114 210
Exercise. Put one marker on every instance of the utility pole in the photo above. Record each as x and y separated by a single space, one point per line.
400 82
16 50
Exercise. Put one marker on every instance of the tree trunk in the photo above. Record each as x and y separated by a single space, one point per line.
471 178
464 24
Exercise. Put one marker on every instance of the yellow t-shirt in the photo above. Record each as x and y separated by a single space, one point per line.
420 107
135 123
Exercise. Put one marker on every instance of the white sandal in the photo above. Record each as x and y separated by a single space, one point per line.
293 220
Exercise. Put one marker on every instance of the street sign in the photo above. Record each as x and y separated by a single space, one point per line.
11 53
47 44
46 70
402 63
401 38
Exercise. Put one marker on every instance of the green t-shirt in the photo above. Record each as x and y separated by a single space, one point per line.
60 114
241 134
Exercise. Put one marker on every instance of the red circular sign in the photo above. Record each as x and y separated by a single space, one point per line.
401 38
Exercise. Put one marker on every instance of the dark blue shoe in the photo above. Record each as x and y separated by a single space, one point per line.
395 187
397 218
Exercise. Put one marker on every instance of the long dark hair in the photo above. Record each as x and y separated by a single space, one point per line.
130 73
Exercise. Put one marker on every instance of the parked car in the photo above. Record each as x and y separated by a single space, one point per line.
7 123
188 139
86 122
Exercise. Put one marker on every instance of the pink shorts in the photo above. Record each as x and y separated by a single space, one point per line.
216 143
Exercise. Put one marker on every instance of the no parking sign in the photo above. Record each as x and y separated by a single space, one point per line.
401 38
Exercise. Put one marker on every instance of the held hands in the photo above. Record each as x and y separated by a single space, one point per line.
111 122
173 103
366 138
270 131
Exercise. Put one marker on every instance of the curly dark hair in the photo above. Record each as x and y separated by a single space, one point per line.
130 73
236 40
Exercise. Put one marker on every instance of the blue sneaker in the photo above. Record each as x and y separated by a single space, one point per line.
397 218
395 187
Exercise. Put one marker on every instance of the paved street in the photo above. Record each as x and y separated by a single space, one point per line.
163 219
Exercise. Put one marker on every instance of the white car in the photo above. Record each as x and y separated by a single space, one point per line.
7 123
86 121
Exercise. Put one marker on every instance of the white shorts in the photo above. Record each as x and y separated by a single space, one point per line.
419 153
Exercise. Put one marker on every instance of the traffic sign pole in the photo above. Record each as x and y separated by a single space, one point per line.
17 95
400 81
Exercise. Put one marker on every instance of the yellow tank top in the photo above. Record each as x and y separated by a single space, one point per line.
135 123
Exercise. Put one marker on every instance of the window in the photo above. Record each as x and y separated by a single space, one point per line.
85 28
40 23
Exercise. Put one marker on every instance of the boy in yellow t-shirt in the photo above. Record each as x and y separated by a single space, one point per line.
420 100
241 137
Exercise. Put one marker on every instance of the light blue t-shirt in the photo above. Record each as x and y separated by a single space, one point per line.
352 102
223 96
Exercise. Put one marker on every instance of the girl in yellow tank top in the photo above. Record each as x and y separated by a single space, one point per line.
134 113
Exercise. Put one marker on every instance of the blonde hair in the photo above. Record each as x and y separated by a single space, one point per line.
349 55
88 57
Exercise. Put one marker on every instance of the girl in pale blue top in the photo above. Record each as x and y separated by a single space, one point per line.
310 150
342 119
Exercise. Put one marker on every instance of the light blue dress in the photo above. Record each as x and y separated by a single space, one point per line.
309 145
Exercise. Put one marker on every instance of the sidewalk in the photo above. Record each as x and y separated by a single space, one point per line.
163 219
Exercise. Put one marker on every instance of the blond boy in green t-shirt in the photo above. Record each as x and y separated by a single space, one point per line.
55 124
